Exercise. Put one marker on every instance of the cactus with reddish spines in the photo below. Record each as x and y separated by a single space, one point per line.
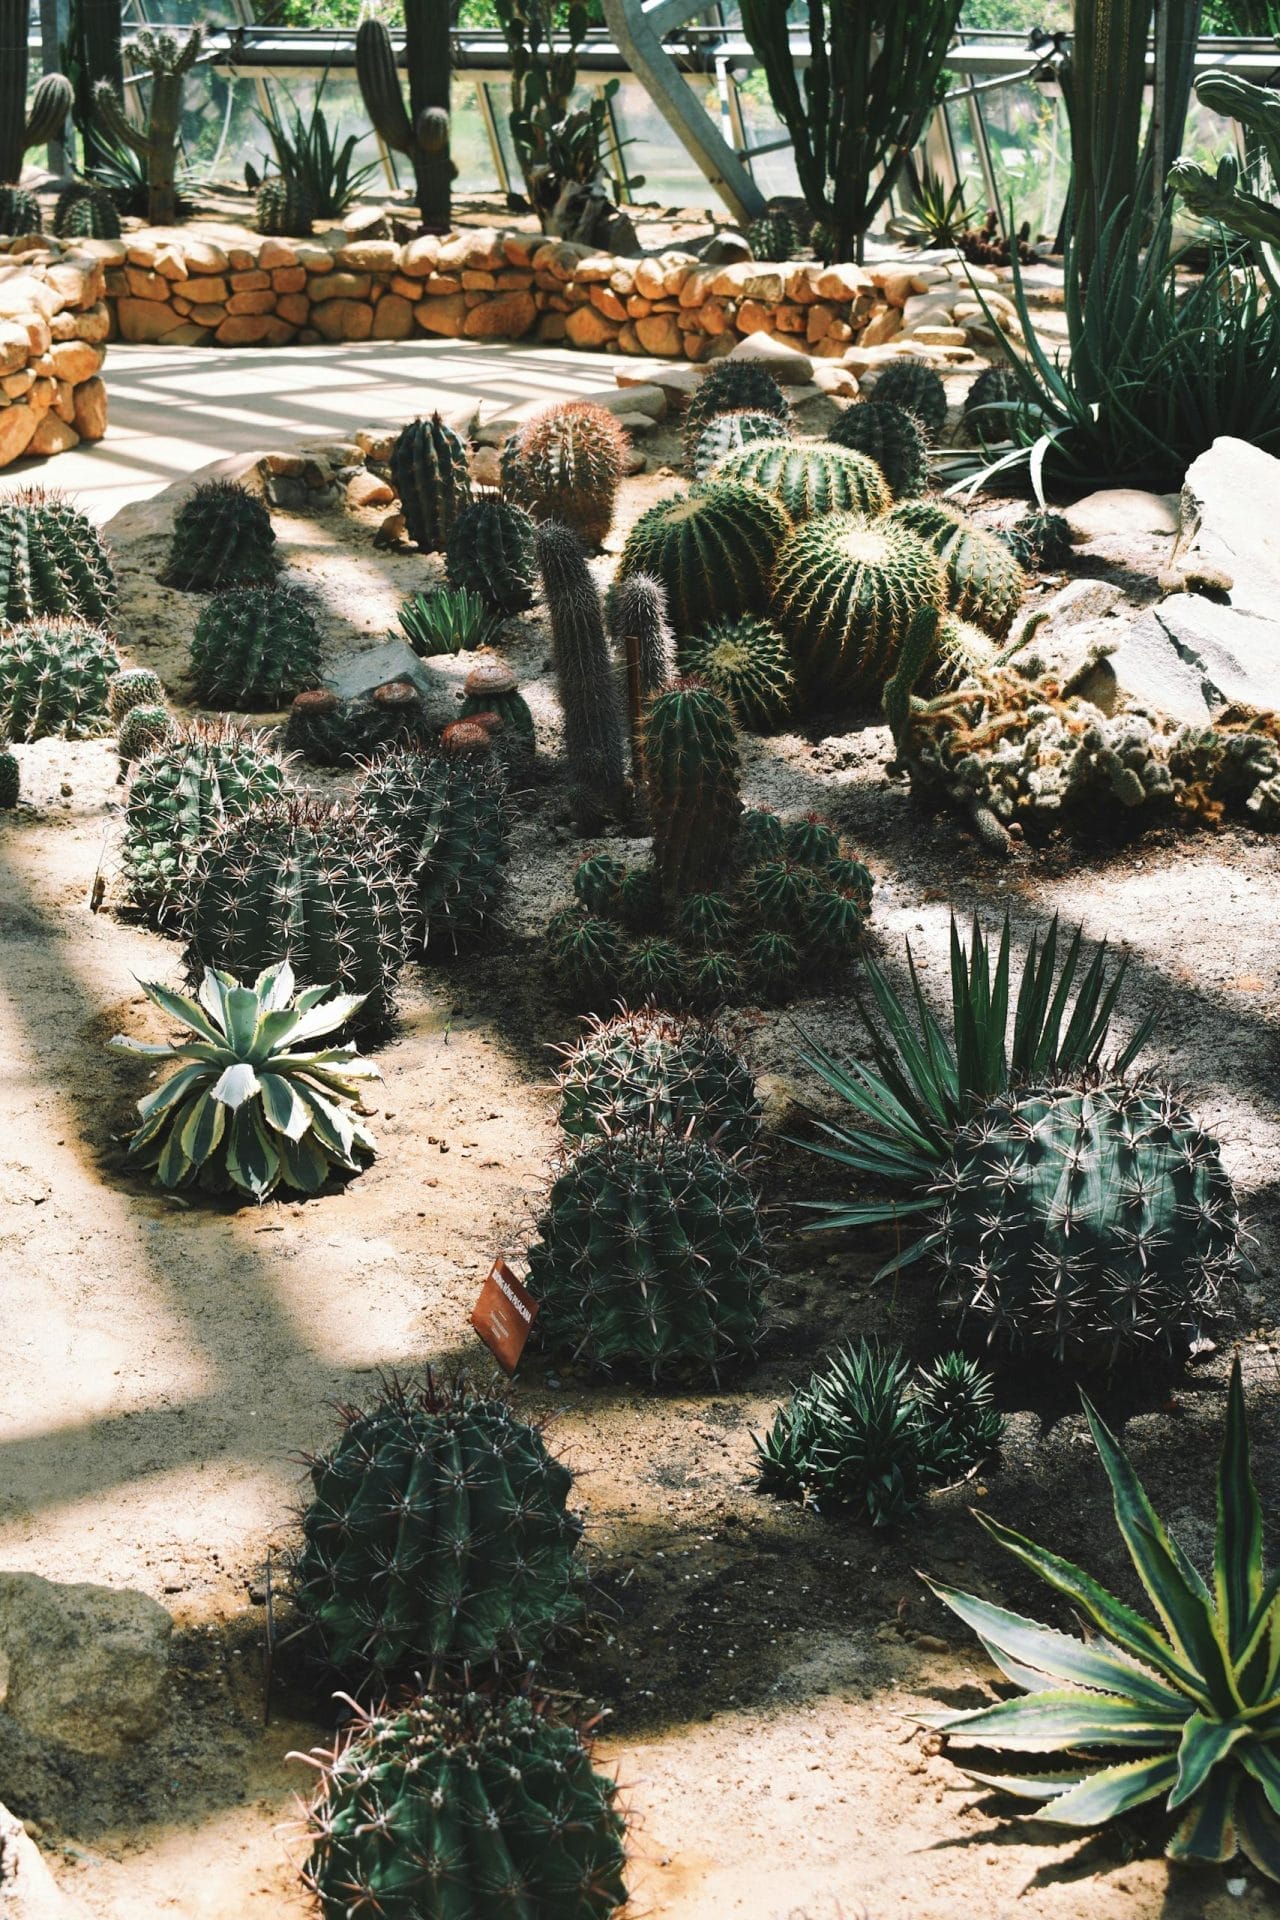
662 1069
567 465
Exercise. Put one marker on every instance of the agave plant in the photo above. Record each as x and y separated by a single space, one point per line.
253 1106
450 620
1186 1711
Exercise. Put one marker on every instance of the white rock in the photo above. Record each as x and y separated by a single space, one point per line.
28 1890
789 367
1230 518
1114 512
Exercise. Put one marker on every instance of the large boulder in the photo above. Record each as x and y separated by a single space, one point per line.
82 1666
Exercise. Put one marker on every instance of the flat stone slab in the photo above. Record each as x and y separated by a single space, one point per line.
1230 519
1236 653
1114 513
393 660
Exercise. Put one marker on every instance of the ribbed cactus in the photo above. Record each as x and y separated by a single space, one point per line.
915 388
586 953
747 663
52 561
985 582
54 676
636 613
332 732
166 60
727 433
732 386
143 730
593 721
713 549
284 206
567 465
844 595
773 236
222 537
10 781
491 687
429 472
654 973
254 649
692 768
658 1069
651 1257
460 1806
437 1537
21 129
305 881
491 550
420 131
19 212
989 411
180 793
446 818
810 478
86 211
133 687
1039 539
892 438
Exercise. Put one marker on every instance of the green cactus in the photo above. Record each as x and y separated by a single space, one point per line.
52 561
713 549
747 663
662 1070
222 537
491 551
181 792
166 61
142 731
19 212
420 131
844 595
915 388
285 207
811 840
990 408
654 973
85 211
639 904
307 881
986 583
446 818
22 128
54 676
491 687
732 386
10 780
714 980
133 687
597 882
567 465
636 615
585 681
1039 541
449 1805
331 732
705 921
429 472
761 836
809 478
587 953
254 648
892 438
773 236
651 1256
437 1537
771 966
727 433
692 769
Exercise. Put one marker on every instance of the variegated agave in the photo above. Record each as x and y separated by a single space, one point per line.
1191 1707
253 1107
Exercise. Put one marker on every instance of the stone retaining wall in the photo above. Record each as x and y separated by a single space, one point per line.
53 321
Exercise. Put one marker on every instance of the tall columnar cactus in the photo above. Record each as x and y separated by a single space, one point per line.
446 818
437 1537
284 206
746 662
421 130
178 797
891 437
54 676
585 681
985 581
167 60
254 649
429 472
660 1069
20 128
732 386
1220 196
490 550
813 478
567 465
726 433
713 549
915 388
845 594
692 773
222 537
636 611
52 561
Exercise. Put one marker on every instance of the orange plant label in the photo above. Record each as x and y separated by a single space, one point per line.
503 1315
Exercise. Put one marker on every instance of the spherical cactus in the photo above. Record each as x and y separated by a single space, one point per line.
915 388
692 770
776 894
429 472
746 662
650 1256
222 537
810 478
773 236
705 922
730 387
142 731
446 816
892 438
1092 1223
727 433
10 781
307 882
654 973
181 792
713 549
569 461
1040 540
985 581
845 594
714 980
86 211
437 1537
490 550
587 954
332 732
19 212
639 902
54 676
133 687
491 687
761 836
254 649
52 561
456 1806
990 406
597 881
284 206
661 1070
771 966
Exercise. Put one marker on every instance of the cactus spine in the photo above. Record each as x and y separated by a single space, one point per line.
845 594
593 727
429 472
636 609
420 131
916 389
892 438
986 583
52 561
491 551
691 769
180 794
446 817
168 60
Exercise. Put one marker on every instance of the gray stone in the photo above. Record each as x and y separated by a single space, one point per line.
788 365
1117 513
1235 652
1142 665
28 1890
721 249
393 660
1080 601
82 1665
1230 520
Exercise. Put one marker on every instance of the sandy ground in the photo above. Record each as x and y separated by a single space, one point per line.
762 1665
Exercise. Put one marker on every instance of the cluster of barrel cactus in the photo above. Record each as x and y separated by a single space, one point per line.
222 537
254 648
55 675
809 477
732 386
181 791
445 817
985 584
712 548
52 561
890 436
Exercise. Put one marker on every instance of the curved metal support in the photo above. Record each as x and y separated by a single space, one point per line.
637 27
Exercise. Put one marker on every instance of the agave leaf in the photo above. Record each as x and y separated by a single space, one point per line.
178 1087
333 1126
211 993
238 1083
253 1163
185 1011
274 987
244 1012
1113 1790
1237 1559
153 1049
1207 1830
173 1169
308 998
1258 1829
1026 1786
204 1129
327 1018
274 1033
1064 1719
1205 1741
304 1163
1263 1763
285 1111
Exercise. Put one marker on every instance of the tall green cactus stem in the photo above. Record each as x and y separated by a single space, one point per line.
636 610
91 52
168 61
593 724
421 130
50 103
19 212
1220 196
916 652
86 211
692 771
446 817
179 795
52 561
429 472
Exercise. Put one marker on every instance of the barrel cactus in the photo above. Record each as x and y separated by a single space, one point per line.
654 972
462 1805
180 794
712 548
52 561
773 236
986 583
568 462
142 731
727 433
892 438
19 212
331 731
650 1256
54 678
692 770
915 388
254 649
659 1069
437 1537
729 387
990 406
491 550
222 537
429 472
133 687
587 952
1040 539
810 477
284 206
845 594
86 211
446 817
746 662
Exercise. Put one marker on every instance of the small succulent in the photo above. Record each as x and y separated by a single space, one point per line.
133 687
142 731
450 620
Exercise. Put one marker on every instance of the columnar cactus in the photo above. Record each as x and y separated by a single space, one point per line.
713 548
19 211
85 211
437 1537
916 389
813 477
490 550
420 131
254 649
985 581
692 773
662 1070
54 677
180 794
892 438
52 561
593 722
636 611
167 61
429 472
747 663
20 128
333 732
284 206
727 433
845 594
222 537
568 462
446 818
730 387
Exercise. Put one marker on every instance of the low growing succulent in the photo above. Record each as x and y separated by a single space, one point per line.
222 537
254 648
54 679
661 1070
53 562
449 620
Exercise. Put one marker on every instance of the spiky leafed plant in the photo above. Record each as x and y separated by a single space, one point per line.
1186 1711
252 1106
450 620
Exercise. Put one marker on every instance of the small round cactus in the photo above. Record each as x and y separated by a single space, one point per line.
662 1070
815 477
773 236
86 211
10 780
491 551
254 648
990 406
747 663
446 817
133 687
587 953
142 731
567 465
491 687
892 438
185 786
222 537
54 677
52 561
284 206
712 548
845 594
727 433
19 212
985 582
915 388
653 973
1040 540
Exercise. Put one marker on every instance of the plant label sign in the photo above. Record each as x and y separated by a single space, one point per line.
503 1315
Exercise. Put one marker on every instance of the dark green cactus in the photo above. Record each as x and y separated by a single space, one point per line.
713 549
593 722
446 818
598 881
714 980
985 582
705 922
773 236
429 472
19 211
658 1069
332 732
180 793
810 477
10 780
285 207
448 1806
761 836
747 663
636 614
254 648
990 409
566 467
142 731
20 128
732 386
639 904
915 388
727 433
491 687
52 561
587 954
166 61
771 966
491 550
892 438
304 881
692 768
54 677
437 1537
133 687
1039 540
654 973
222 537
420 131
86 211
651 1256
844 595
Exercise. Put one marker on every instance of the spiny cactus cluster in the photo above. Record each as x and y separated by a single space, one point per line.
429 472
845 592
713 549
333 732
284 206
660 1070
732 386
445 816
985 582
54 678
437 1537
890 436
85 211
182 790
747 663
810 478
133 687
727 433
222 537
254 649
52 561
490 551
915 388
566 465
1039 541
